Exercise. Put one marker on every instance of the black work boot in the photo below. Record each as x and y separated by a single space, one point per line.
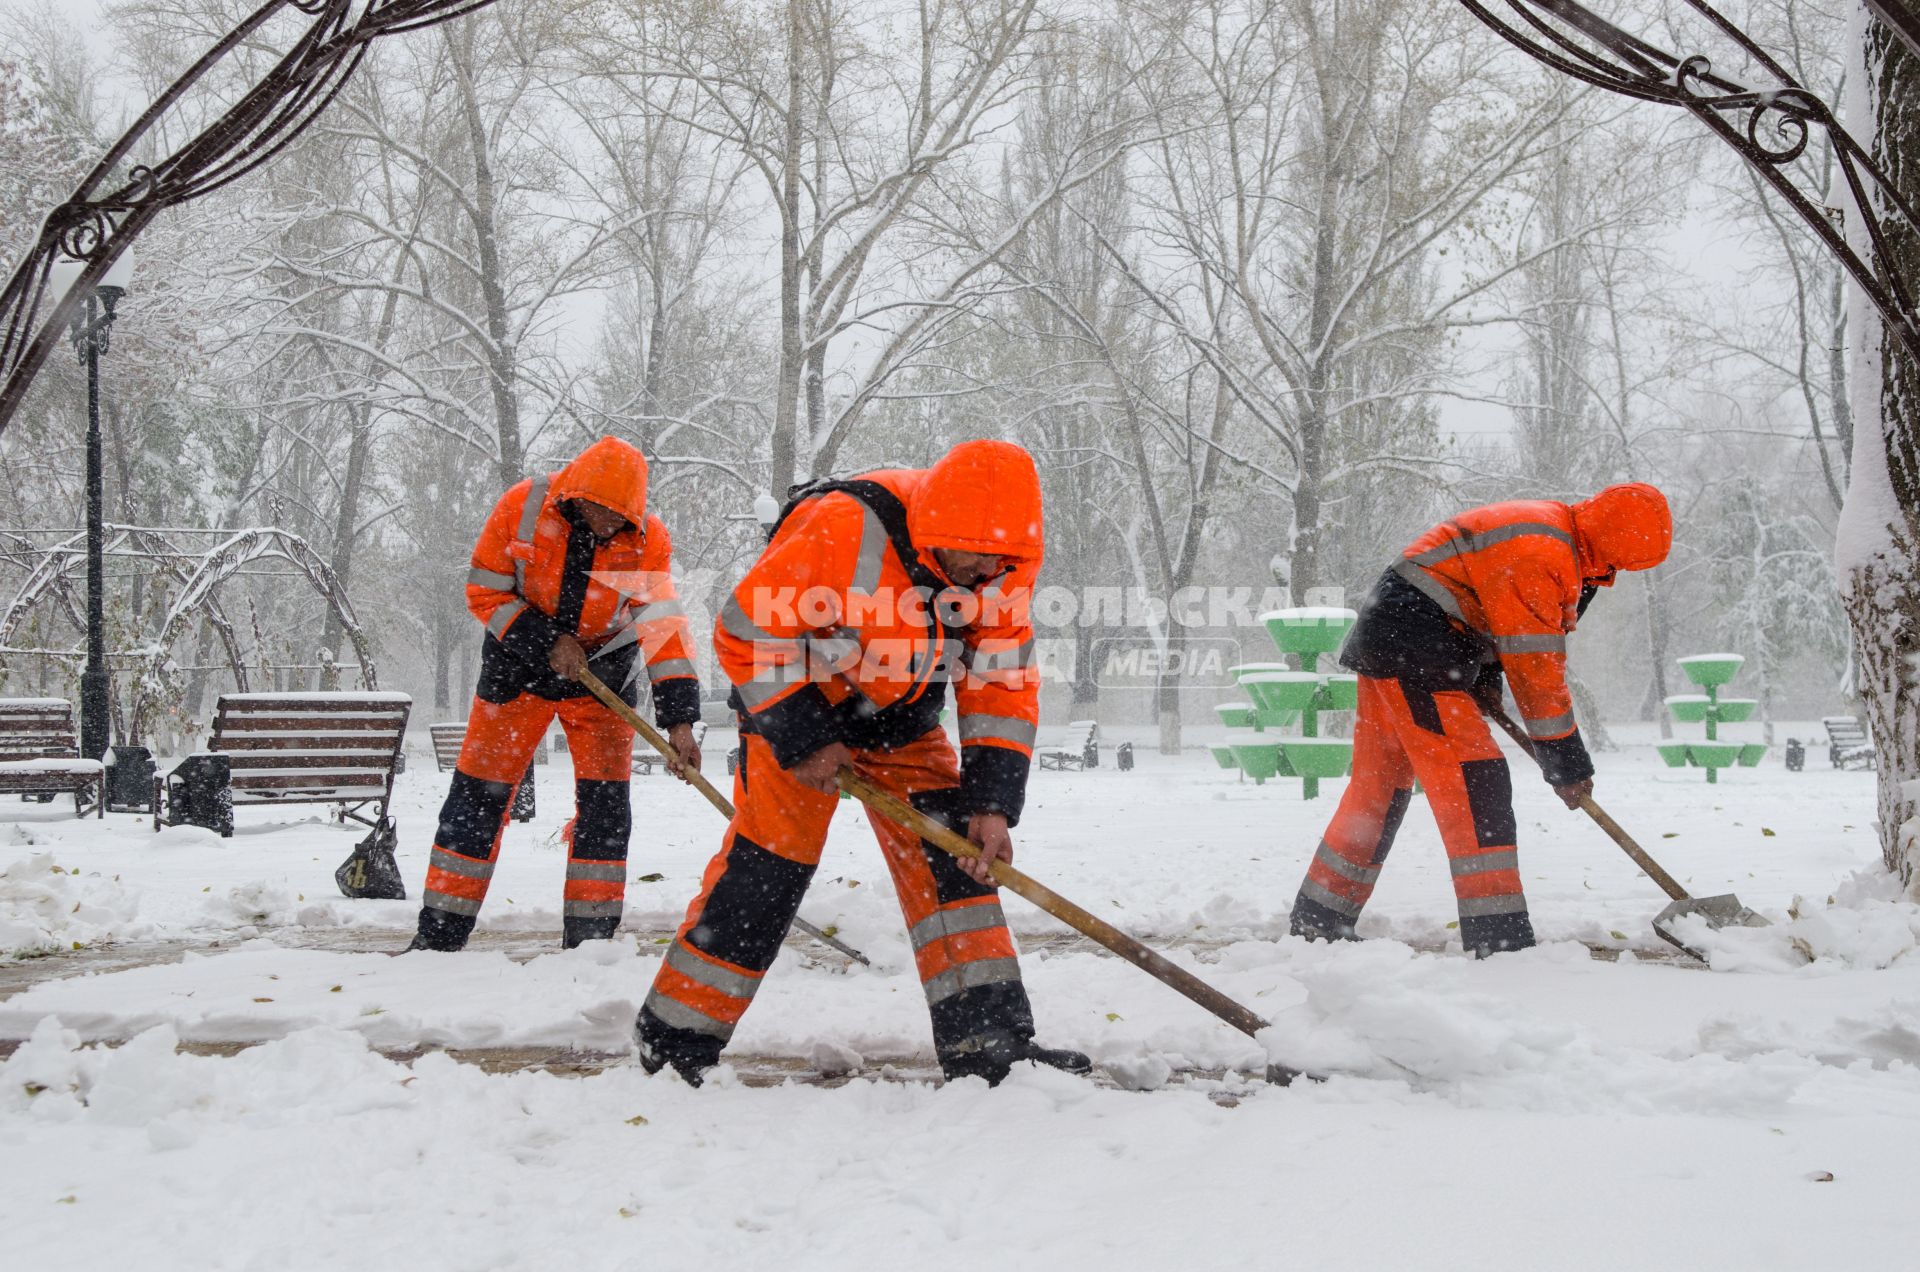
1317 923
1483 935
993 1055
441 931
657 1044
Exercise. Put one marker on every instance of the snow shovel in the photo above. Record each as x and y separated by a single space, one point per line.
657 740
1725 910
899 811
895 809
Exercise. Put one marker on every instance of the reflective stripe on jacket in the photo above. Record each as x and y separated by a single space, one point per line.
537 574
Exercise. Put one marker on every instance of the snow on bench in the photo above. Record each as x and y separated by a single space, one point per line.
1848 745
40 753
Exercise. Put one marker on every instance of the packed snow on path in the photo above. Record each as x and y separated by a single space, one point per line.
1575 1113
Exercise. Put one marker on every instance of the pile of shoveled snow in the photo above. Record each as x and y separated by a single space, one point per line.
47 907
1866 922
1384 1012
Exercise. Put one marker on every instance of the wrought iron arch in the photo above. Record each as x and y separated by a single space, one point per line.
67 558
120 198
219 565
1768 127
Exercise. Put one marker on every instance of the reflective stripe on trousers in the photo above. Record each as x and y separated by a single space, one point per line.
1440 739
697 992
963 951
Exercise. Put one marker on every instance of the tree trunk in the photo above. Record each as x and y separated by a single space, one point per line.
346 523
1657 653
443 641
1086 677
484 217
1167 712
1880 526
787 396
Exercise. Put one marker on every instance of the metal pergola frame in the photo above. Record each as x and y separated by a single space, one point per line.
1768 127
120 197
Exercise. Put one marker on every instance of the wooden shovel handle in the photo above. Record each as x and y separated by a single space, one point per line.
1601 818
895 809
658 741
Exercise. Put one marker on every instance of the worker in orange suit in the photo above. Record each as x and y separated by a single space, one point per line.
1495 590
571 573
872 594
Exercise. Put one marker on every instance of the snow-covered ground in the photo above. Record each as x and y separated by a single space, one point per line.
1543 1109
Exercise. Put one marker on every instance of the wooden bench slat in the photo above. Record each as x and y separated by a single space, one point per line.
244 761
251 782
43 729
332 724
305 706
243 746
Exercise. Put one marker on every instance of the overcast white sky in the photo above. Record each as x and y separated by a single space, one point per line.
1697 246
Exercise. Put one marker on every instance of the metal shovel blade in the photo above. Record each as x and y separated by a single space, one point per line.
1722 911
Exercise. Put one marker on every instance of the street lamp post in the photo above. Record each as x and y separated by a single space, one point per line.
92 328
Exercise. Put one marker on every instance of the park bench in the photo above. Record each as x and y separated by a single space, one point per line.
645 758
447 740
1075 747
40 753
302 748
1847 743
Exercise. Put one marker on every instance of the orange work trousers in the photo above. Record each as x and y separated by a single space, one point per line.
1401 734
752 889
500 742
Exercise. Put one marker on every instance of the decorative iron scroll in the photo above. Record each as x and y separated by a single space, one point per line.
1769 127
121 197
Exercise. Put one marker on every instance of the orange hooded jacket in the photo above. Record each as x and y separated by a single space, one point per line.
846 630
1509 582
538 574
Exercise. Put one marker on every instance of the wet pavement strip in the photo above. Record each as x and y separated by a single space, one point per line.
19 975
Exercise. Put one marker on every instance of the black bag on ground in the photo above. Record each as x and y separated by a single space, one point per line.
371 872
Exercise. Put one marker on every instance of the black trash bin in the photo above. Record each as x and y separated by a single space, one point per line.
200 793
1124 757
1796 755
130 779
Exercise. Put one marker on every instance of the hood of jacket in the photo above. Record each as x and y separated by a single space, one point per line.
982 496
611 473
1627 527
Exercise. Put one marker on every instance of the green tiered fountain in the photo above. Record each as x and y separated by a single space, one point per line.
1280 696
1710 671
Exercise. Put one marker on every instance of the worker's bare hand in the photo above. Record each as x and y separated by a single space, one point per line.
1572 794
685 760
989 832
817 770
568 658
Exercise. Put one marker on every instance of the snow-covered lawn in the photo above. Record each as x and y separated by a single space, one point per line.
1542 1110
